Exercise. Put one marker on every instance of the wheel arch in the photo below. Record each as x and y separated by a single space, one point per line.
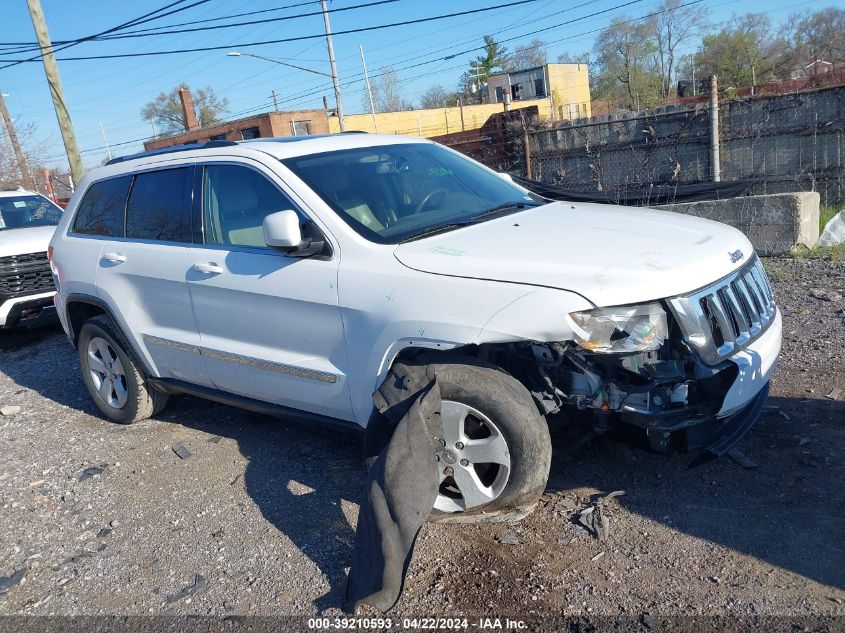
81 307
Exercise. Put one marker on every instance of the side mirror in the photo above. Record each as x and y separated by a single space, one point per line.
281 230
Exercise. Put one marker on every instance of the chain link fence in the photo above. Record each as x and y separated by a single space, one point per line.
773 144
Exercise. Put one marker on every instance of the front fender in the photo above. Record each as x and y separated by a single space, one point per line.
442 313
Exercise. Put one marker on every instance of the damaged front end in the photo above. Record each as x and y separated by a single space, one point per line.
656 373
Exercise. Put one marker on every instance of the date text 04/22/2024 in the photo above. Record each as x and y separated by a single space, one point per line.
416 624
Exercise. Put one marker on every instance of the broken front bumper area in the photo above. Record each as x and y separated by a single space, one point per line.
709 433
669 400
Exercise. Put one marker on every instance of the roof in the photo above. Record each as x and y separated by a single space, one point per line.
278 147
281 147
20 191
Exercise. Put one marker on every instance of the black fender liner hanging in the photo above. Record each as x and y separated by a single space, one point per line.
401 488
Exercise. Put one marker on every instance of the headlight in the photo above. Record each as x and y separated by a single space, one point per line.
622 329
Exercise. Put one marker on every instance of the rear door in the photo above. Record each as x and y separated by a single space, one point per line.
270 325
143 273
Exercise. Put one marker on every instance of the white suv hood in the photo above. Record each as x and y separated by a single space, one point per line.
611 255
22 241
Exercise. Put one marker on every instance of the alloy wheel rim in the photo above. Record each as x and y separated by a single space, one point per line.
107 373
474 462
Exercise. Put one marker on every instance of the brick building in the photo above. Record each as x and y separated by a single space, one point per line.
267 124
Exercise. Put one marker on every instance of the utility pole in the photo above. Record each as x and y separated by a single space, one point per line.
52 71
337 97
13 137
369 90
275 101
476 70
105 140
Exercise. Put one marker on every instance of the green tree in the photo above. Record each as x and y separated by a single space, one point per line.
492 60
738 54
165 111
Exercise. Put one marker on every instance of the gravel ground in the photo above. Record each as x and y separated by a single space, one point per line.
258 519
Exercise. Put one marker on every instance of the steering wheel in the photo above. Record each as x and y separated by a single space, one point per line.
427 199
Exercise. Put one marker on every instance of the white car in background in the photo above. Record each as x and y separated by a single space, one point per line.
289 275
27 222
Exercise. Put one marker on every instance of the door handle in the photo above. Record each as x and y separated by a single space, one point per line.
209 269
114 258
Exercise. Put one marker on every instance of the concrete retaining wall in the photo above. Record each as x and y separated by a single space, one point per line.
775 224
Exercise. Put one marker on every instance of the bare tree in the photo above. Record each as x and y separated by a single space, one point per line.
437 97
528 55
387 92
34 150
166 109
569 58
811 37
671 29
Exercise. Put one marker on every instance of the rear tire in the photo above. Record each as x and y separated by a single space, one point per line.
115 381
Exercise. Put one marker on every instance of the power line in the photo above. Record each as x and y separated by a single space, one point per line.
147 17
11 62
130 35
226 17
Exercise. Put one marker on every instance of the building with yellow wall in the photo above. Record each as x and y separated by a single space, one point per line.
564 91
432 121
565 88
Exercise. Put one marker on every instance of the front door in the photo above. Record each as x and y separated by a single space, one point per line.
270 325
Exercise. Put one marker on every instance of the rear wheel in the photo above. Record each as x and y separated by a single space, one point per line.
114 380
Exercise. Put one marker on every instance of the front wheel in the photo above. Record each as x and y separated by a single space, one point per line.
495 451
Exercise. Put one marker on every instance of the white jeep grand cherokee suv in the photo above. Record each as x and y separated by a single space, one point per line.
287 276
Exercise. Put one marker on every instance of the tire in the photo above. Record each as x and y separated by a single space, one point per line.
115 381
496 399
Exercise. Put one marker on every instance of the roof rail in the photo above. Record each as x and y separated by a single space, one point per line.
172 149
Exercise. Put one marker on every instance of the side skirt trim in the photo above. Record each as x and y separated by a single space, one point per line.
312 420
249 361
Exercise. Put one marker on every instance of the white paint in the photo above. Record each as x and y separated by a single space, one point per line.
351 314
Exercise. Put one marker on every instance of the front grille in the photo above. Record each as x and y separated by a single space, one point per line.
721 319
22 275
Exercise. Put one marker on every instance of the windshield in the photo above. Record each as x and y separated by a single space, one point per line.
27 211
394 193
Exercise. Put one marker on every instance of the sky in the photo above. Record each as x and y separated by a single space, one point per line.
112 92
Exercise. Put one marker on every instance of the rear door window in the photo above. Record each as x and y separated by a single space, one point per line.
159 206
101 211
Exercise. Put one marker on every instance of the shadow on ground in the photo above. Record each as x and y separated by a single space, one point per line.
297 478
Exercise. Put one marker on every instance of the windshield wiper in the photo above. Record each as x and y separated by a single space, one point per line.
434 230
475 219
518 206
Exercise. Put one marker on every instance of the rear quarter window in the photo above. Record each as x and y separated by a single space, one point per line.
101 211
